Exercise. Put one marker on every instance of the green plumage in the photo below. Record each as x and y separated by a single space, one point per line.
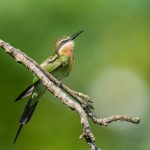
59 66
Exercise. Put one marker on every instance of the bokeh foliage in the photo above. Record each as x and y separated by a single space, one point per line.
112 64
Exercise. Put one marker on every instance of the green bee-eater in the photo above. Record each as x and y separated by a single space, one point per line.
59 65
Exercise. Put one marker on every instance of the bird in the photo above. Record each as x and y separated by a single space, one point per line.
59 65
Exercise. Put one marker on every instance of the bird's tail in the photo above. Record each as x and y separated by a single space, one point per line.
26 115
20 127
30 106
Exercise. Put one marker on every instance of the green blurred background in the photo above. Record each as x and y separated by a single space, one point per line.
112 65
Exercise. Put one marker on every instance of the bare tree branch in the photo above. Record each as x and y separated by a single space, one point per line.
100 121
56 87
108 120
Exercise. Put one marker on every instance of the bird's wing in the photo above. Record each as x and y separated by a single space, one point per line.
27 92
49 65
37 92
52 64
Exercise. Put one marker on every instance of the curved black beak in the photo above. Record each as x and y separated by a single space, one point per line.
75 35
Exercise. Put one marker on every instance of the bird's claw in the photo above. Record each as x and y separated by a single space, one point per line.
86 105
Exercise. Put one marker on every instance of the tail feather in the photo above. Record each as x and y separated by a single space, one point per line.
26 116
31 111
20 127
27 92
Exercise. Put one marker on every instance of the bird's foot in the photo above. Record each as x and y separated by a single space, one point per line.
85 104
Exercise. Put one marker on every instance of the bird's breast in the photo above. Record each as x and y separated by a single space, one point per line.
64 70
66 50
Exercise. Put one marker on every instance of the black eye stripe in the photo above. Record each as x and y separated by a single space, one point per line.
62 43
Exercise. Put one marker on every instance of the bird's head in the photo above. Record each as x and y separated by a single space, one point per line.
65 45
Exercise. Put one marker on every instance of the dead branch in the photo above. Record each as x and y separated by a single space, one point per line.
56 87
